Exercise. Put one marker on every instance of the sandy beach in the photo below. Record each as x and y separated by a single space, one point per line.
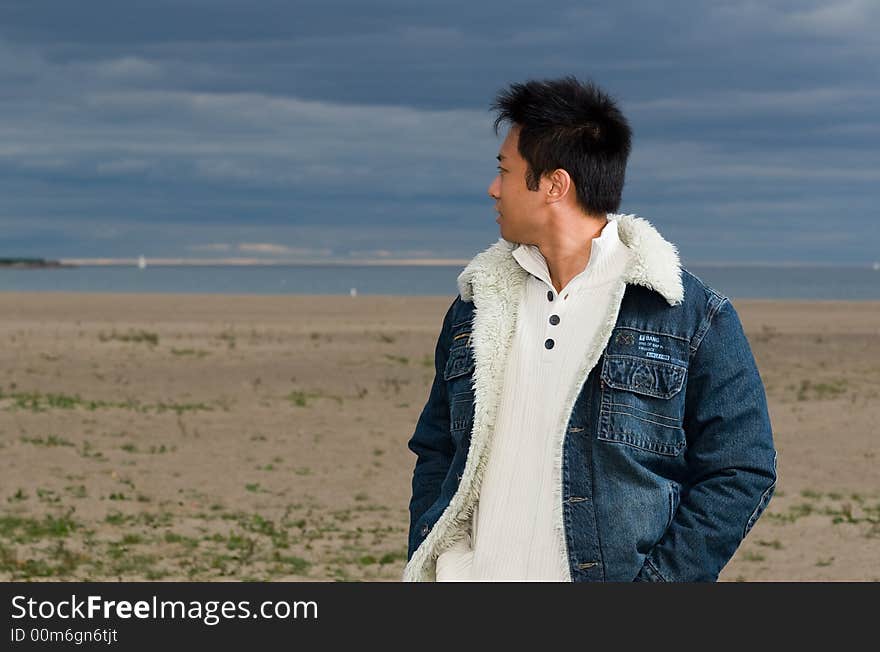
217 437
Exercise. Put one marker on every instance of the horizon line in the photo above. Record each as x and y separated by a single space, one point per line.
410 262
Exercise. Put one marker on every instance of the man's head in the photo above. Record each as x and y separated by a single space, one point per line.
566 149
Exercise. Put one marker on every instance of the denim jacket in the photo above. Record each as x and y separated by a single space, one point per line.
665 445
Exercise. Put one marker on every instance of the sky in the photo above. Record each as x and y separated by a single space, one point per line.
343 130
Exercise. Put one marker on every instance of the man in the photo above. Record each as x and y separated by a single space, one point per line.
596 412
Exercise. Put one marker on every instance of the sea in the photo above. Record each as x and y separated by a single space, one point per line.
746 281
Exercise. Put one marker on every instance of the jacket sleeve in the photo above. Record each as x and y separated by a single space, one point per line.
730 455
431 441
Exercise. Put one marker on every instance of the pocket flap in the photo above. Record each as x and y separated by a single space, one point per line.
460 361
649 377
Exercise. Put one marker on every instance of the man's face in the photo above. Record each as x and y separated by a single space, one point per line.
522 212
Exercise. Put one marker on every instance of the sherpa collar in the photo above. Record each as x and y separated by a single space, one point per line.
654 262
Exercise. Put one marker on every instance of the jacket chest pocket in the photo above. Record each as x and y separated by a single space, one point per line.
461 416
642 404
461 360
458 375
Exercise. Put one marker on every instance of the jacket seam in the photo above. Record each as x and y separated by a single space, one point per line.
754 516
700 335
653 569
763 500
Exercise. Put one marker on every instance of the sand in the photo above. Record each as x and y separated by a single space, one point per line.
209 437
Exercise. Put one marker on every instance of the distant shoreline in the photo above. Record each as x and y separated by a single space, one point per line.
40 263
32 263
408 262
248 262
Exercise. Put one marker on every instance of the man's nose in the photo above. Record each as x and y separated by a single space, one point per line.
492 193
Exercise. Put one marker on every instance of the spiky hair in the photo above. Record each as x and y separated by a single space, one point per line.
573 125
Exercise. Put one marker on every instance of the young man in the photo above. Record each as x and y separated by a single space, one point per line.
596 413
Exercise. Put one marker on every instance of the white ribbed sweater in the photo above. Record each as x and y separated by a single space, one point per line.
514 538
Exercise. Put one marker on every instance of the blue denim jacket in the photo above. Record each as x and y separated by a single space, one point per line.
667 455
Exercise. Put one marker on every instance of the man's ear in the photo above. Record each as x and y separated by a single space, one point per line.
560 185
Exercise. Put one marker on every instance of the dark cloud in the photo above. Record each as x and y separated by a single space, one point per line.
342 126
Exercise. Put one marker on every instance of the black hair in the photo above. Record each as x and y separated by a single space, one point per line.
574 126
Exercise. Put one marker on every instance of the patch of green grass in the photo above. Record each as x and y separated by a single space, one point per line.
179 408
793 514
155 574
298 398
343 515
400 359
51 440
391 557
199 353
17 496
292 563
149 519
48 496
38 402
825 562
243 546
752 556
775 544
20 529
173 537
257 524
134 564
239 542
301 398
131 336
66 562
129 448
77 491
845 515
820 391
88 451
115 518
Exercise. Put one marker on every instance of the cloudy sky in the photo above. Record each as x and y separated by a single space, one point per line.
307 130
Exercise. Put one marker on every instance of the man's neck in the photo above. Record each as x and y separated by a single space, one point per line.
567 254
